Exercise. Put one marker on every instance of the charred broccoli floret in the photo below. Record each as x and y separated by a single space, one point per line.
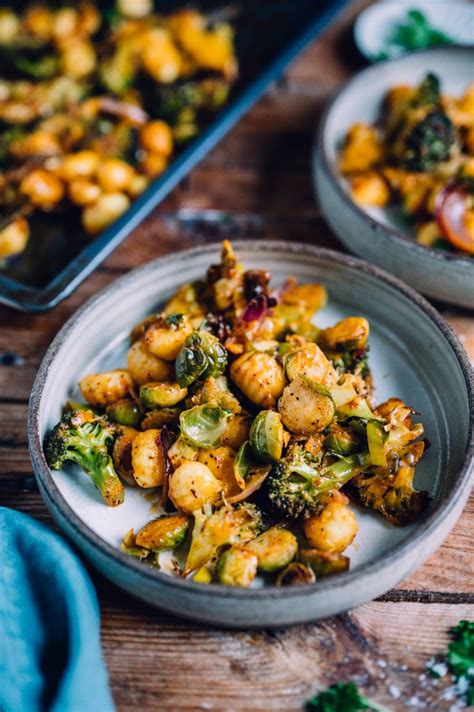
429 141
298 483
85 438
391 493
428 92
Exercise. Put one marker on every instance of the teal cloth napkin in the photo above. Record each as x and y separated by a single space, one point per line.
50 657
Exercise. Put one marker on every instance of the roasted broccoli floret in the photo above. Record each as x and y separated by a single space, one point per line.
428 93
428 142
390 491
85 438
298 483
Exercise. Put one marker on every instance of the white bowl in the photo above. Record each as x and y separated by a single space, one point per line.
414 355
379 235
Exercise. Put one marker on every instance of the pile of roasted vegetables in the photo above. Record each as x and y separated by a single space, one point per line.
253 426
420 154
93 103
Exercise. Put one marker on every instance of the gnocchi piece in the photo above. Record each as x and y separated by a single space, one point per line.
370 189
220 461
105 388
82 164
259 377
145 368
333 530
304 410
114 174
157 137
237 431
309 360
13 238
148 459
102 213
83 191
165 337
43 188
363 149
193 485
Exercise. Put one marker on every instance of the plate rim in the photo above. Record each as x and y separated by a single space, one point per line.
319 155
128 564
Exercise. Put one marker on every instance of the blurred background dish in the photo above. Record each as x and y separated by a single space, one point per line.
391 28
382 235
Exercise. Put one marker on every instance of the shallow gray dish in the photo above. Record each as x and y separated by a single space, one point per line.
414 354
379 235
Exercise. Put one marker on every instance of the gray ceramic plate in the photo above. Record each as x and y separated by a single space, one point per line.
380 235
413 354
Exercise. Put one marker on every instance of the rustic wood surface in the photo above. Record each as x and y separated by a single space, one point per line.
260 176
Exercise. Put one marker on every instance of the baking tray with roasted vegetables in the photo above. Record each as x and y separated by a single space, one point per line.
249 429
419 156
93 106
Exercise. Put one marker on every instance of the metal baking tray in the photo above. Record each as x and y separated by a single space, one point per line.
269 34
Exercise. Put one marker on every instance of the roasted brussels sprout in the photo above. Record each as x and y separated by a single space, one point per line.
166 532
203 425
159 417
161 395
202 355
124 412
324 563
236 567
296 574
275 548
267 436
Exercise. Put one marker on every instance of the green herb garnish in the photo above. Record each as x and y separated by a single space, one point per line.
342 697
415 32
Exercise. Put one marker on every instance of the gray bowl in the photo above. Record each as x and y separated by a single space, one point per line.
414 354
379 235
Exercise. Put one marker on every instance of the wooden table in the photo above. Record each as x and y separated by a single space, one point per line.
260 176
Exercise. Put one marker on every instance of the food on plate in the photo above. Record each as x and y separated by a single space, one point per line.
419 155
95 102
254 427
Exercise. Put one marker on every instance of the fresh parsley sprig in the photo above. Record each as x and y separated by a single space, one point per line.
343 696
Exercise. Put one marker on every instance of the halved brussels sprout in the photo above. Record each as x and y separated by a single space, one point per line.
162 395
325 563
236 567
267 436
163 533
296 574
124 412
274 549
202 355
243 462
341 442
159 417
203 425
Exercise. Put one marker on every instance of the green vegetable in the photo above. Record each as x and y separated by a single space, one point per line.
243 462
85 438
461 657
429 142
342 697
415 32
161 395
296 574
376 437
297 483
236 567
324 563
428 92
202 355
267 436
124 412
341 442
275 548
159 417
163 533
203 425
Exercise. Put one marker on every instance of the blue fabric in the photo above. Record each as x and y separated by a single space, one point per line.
50 657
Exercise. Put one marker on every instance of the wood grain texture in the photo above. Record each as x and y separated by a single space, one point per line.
259 177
